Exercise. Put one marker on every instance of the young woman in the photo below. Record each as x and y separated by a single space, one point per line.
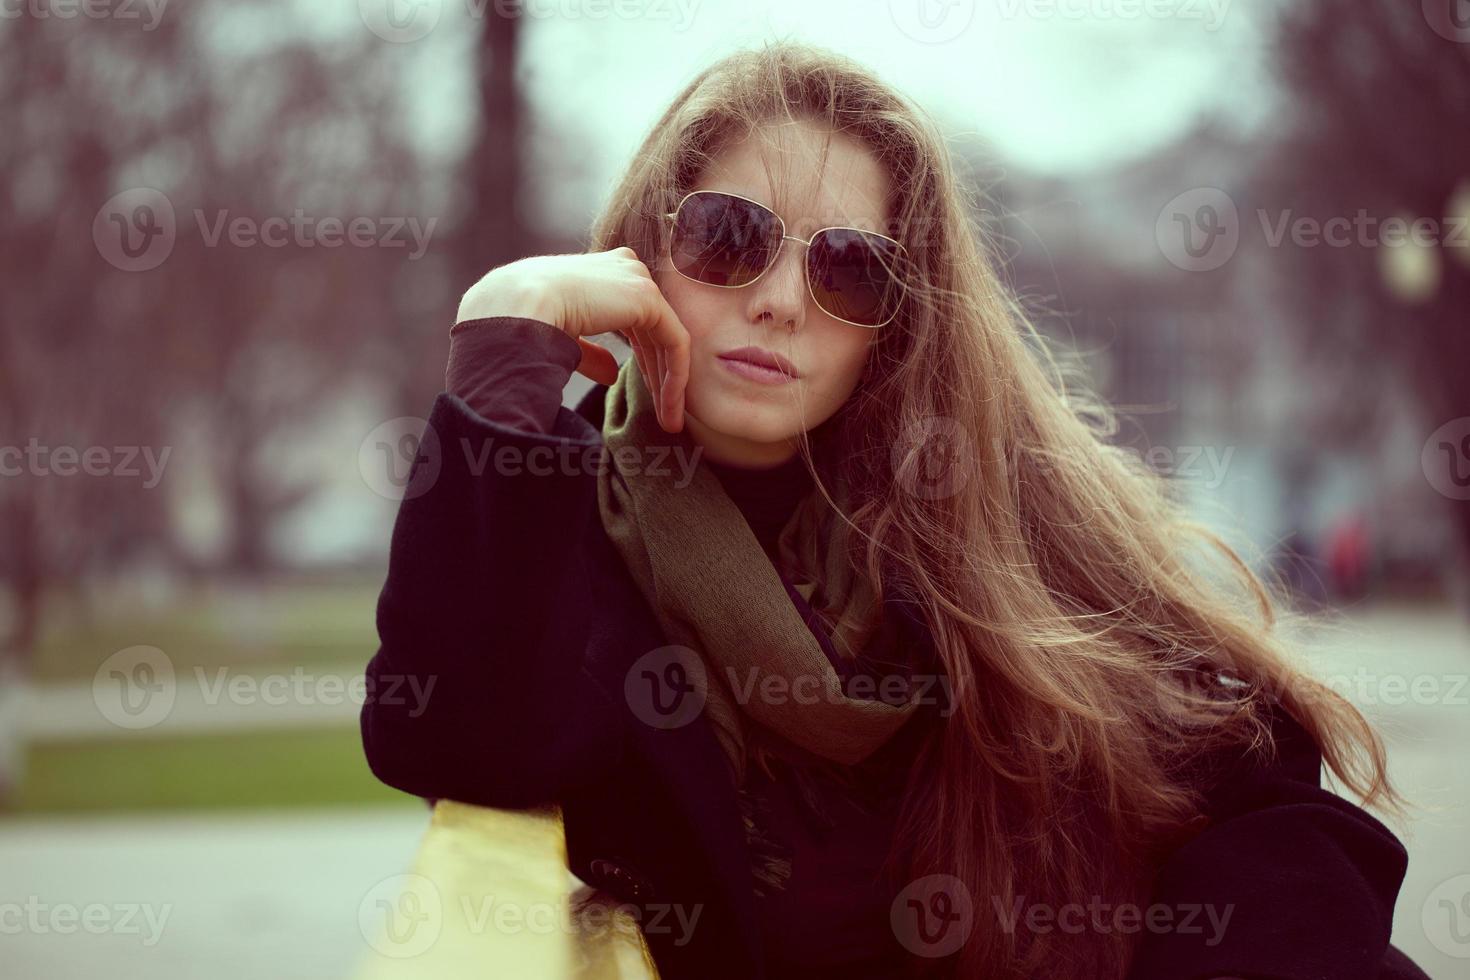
846 642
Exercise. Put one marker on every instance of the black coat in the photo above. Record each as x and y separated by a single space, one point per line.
504 590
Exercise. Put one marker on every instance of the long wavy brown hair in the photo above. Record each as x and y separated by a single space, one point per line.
1094 640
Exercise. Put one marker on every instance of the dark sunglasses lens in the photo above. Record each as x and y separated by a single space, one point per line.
723 240
856 276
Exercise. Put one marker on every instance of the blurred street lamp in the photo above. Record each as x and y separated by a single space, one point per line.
1411 269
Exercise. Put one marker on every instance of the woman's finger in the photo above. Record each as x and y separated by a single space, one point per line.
641 343
673 345
663 378
597 362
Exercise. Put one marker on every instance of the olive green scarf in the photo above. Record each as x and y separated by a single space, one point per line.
716 593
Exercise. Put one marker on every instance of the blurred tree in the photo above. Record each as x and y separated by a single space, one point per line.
71 360
248 343
287 325
1380 100
491 229
485 225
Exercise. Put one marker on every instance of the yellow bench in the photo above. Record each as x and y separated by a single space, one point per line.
490 895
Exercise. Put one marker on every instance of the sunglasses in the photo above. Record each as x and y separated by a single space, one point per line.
727 240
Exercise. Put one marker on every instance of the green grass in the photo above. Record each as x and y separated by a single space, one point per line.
280 625
298 767
324 626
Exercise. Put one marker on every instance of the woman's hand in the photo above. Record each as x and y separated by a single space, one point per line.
588 294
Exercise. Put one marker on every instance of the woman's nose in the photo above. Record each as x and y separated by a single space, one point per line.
782 290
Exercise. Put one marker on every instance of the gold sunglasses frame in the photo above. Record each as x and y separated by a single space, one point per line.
805 267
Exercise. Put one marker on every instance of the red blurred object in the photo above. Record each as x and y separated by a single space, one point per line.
1347 555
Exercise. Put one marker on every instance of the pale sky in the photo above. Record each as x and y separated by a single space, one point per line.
1052 93
1057 86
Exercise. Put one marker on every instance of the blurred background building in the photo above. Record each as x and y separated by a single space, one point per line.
232 241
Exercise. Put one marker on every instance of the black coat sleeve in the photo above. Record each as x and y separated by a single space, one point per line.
1288 882
486 599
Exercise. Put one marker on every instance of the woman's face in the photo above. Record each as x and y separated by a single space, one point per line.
737 419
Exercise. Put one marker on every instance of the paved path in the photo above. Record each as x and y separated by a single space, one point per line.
1409 672
140 699
236 897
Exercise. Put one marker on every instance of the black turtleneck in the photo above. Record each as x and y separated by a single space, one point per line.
766 496
831 918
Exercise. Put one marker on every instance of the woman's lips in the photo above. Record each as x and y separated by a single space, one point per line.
756 372
761 357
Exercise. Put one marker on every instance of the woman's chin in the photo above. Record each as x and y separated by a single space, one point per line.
738 425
